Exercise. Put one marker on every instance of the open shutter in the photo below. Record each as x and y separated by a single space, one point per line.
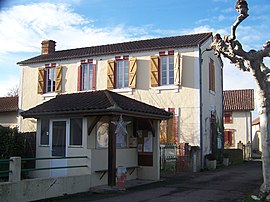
132 73
79 81
110 74
177 69
41 81
154 68
58 79
94 77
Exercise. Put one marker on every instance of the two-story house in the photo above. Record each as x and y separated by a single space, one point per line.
238 105
9 111
178 74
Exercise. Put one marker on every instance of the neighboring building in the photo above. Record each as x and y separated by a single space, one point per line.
9 111
176 73
238 105
256 135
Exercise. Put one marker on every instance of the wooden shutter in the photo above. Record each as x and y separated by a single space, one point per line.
41 81
132 73
58 79
177 69
94 77
79 81
110 74
154 68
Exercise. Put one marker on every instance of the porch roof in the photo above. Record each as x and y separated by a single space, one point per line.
103 102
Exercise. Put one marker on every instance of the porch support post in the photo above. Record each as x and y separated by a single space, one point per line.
112 155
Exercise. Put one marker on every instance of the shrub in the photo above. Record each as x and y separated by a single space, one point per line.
225 155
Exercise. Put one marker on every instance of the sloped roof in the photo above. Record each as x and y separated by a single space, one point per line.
239 100
8 104
126 47
94 103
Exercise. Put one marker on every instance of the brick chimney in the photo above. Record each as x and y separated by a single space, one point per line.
47 47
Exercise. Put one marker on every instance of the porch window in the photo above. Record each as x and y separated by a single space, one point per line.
44 134
75 131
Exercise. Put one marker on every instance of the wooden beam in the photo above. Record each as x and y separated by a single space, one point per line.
112 155
93 124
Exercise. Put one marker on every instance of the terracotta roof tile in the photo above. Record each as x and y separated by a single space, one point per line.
8 104
239 100
126 47
102 102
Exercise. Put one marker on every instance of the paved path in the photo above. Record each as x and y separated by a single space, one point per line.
234 183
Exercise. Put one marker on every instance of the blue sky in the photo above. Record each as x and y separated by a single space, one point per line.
82 23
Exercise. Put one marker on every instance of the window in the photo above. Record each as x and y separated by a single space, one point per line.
75 131
87 75
167 70
228 118
121 73
228 138
44 133
122 69
211 75
49 79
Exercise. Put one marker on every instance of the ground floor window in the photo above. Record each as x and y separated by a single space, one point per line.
75 131
228 138
44 134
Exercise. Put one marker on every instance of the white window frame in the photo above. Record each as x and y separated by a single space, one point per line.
87 76
50 79
165 64
122 73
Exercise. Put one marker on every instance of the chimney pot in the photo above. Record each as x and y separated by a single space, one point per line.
47 47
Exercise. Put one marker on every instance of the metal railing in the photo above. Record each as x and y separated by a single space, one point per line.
10 171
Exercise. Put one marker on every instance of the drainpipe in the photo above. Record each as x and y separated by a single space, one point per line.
201 129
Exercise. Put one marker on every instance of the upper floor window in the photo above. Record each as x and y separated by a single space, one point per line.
212 75
166 69
87 75
49 79
121 73
122 69
228 118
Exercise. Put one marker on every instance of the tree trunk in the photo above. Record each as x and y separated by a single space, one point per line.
265 141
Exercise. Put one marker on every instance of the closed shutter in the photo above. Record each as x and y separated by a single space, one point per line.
177 69
110 74
94 77
41 81
132 73
154 68
58 79
79 81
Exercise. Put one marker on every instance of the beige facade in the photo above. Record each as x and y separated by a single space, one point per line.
190 97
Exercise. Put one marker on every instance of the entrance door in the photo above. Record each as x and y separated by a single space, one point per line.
58 146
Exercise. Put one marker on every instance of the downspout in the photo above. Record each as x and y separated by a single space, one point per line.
201 129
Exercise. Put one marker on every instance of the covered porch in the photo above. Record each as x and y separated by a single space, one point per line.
110 129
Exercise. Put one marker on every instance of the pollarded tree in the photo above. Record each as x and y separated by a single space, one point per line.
229 47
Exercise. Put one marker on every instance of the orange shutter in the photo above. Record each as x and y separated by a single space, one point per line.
177 69
58 79
154 68
132 73
110 74
79 81
41 81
